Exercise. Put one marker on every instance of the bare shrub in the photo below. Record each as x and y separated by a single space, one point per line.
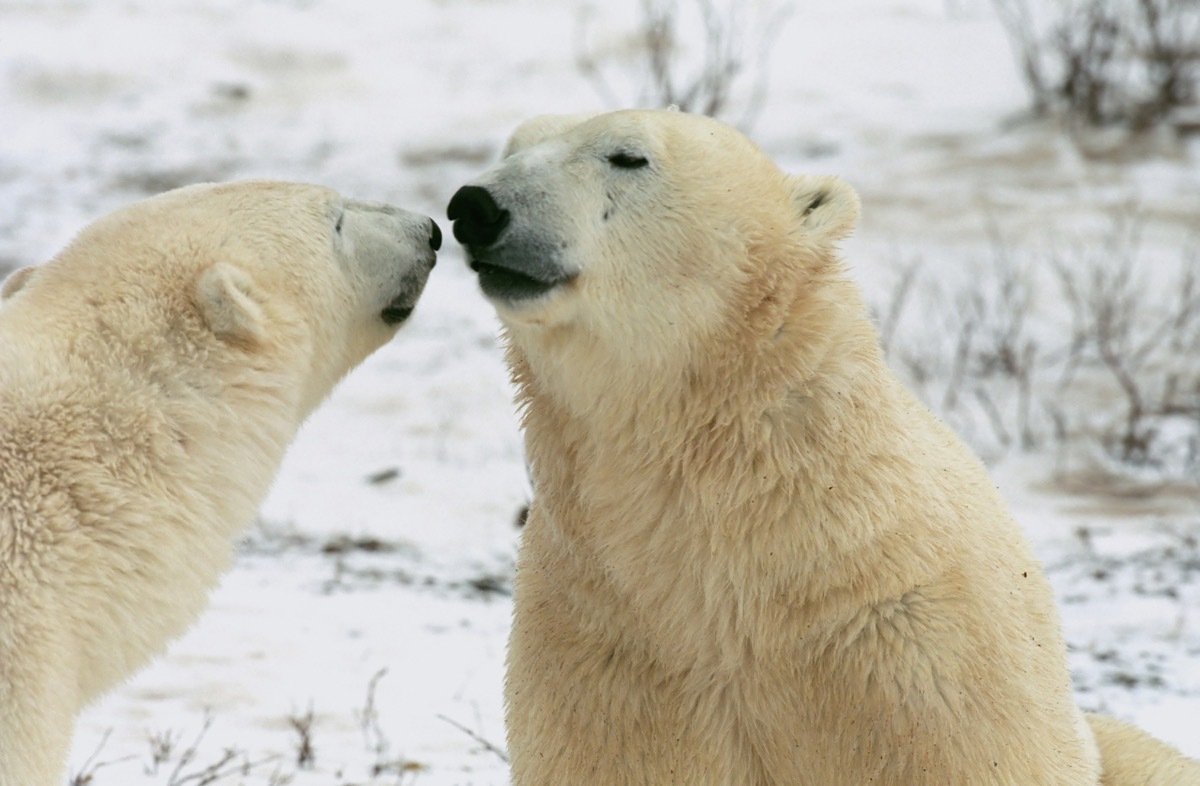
377 743
974 356
228 765
374 739
162 748
87 773
1113 367
486 744
175 761
1132 64
1147 344
698 56
306 754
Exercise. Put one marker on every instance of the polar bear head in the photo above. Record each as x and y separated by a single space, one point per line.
277 276
661 235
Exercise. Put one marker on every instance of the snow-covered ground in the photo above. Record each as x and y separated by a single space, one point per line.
360 637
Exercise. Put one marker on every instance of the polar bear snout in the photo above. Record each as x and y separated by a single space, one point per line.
515 264
388 254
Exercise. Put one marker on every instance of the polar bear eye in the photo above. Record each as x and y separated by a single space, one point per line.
626 160
338 226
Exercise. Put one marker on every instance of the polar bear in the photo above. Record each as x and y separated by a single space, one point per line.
753 557
151 376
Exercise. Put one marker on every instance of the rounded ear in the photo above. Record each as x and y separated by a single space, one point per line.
229 304
15 281
828 206
540 128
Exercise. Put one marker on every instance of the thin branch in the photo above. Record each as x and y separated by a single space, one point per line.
500 752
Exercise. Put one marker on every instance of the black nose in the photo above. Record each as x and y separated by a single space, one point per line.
435 235
478 220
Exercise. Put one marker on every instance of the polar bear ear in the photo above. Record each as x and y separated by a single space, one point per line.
227 301
539 129
15 281
828 206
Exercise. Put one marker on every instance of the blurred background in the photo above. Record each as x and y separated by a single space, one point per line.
1030 246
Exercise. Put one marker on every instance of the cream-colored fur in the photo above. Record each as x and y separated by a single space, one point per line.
151 376
753 557
1133 758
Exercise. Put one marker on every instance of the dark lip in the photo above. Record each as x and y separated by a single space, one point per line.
504 283
401 306
396 312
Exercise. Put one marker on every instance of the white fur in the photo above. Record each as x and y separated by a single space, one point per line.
753 557
151 376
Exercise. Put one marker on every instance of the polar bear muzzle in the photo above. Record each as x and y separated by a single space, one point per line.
401 306
512 266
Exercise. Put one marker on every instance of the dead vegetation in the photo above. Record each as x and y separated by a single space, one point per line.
172 762
702 56
1126 65
1157 572
355 562
1090 352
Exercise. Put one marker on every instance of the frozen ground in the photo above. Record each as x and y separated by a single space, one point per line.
360 637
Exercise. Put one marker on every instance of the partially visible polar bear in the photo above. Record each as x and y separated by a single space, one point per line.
151 376
753 558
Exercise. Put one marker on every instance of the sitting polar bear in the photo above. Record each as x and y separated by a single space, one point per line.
753 558
151 376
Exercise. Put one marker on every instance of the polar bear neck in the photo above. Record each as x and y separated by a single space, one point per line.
150 407
746 402
127 464
797 470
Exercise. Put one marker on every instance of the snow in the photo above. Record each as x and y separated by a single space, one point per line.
374 591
